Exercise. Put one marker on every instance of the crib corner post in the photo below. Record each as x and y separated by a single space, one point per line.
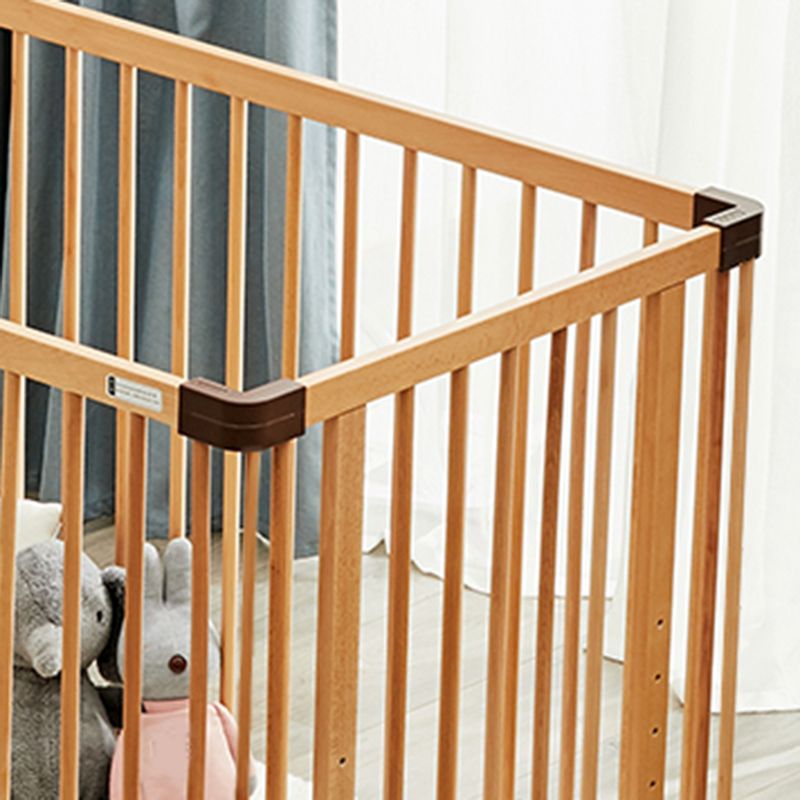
739 220
652 546
339 606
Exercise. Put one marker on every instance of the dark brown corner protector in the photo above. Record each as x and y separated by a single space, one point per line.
254 420
740 220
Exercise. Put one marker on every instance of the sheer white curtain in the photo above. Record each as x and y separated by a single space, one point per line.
704 91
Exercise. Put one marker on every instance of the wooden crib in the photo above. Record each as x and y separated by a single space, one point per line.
718 231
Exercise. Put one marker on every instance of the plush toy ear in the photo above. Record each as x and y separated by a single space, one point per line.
43 647
114 581
153 577
178 570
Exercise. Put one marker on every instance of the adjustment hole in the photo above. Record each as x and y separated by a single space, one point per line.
654 731
342 761
660 623
653 784
657 677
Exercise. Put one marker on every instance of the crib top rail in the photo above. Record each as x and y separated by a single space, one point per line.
294 92
253 420
388 370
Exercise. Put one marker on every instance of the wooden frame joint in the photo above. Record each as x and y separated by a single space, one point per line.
232 420
739 219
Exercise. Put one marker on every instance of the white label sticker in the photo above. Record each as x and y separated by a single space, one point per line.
137 394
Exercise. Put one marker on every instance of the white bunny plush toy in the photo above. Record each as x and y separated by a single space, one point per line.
166 646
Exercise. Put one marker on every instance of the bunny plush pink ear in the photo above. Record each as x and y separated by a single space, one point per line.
178 572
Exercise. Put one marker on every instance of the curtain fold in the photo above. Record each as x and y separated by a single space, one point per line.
298 34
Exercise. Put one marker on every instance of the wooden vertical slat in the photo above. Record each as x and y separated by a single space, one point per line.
650 232
597 603
126 280
181 217
702 602
496 750
198 668
652 545
134 603
600 520
339 607
292 245
18 179
510 690
547 567
282 508
13 458
18 228
450 679
577 473
11 454
640 541
72 192
350 247
402 480
234 378
72 439
599 556
252 474
733 571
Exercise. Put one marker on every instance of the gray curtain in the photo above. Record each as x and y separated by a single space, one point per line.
298 33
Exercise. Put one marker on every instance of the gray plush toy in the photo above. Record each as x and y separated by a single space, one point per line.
37 671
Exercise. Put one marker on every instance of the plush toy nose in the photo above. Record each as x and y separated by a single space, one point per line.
177 664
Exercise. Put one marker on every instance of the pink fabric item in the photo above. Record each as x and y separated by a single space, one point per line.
165 752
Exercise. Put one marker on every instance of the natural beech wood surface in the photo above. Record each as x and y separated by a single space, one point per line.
72 437
636 617
733 569
450 676
134 604
652 553
72 443
126 277
656 693
600 521
252 474
325 101
705 544
198 666
347 344
234 379
13 446
73 151
18 179
510 689
83 370
18 204
281 569
599 557
449 347
577 474
496 750
402 490
545 624
181 221
339 603
284 477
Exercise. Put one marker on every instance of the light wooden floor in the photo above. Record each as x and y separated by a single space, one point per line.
767 745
